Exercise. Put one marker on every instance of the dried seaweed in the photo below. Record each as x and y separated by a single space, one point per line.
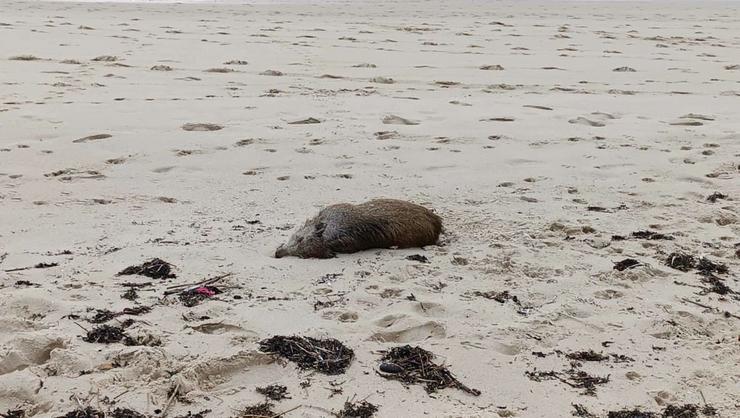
589 355
716 285
706 267
681 261
105 315
500 297
716 195
154 268
418 257
260 410
328 356
362 409
102 315
139 310
631 413
26 283
621 358
105 334
274 392
670 411
572 377
88 412
126 413
625 264
415 366
200 414
681 411
16 413
709 411
130 294
581 411
651 235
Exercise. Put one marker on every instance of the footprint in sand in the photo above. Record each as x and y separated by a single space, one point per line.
22 389
446 83
105 58
216 328
697 116
28 349
538 107
208 373
383 135
365 65
687 123
506 349
307 121
161 68
624 70
494 67
236 62
397 120
115 161
24 58
405 332
274 73
219 70
584 121
382 80
499 119
92 138
604 116
201 127
244 142
608 294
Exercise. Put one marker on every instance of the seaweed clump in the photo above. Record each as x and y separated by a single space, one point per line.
260 410
362 409
414 365
155 268
274 392
328 356
572 377
126 413
88 412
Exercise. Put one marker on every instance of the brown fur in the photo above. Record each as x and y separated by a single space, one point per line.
347 228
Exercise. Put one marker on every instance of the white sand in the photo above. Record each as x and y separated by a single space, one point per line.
514 206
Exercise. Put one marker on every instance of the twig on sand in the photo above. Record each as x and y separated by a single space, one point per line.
285 412
36 266
712 308
83 328
121 394
78 401
181 287
169 401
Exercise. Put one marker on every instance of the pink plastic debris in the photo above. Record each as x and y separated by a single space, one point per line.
205 291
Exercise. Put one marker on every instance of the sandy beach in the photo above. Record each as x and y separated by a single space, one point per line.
584 158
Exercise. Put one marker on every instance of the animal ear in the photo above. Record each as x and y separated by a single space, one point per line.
320 228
